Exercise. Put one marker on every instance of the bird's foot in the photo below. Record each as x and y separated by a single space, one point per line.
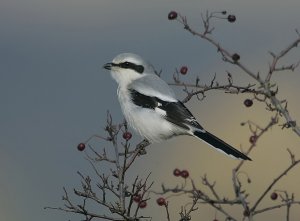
142 145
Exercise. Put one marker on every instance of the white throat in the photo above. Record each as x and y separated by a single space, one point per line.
124 77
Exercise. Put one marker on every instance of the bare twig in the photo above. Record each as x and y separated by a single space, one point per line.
293 164
228 57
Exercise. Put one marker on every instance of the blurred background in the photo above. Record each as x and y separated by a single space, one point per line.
55 94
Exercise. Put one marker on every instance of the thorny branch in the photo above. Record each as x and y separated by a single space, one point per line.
293 164
200 89
217 200
110 190
264 86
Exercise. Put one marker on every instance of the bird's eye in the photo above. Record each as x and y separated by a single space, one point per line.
126 64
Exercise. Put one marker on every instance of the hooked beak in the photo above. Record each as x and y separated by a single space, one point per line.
108 66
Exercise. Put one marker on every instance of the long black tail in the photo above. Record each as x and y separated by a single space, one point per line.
220 145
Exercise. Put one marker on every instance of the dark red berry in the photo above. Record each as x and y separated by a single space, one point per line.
137 198
81 146
248 102
161 201
127 135
172 15
143 204
176 172
253 139
235 57
184 174
231 18
274 196
183 70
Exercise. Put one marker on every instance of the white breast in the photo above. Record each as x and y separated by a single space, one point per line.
147 122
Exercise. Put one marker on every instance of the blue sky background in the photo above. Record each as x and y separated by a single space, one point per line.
54 92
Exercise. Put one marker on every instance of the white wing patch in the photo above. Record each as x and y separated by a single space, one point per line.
160 111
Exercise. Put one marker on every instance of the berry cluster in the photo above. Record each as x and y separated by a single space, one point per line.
230 18
139 200
183 173
178 173
126 135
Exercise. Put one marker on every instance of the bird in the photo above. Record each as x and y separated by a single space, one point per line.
151 108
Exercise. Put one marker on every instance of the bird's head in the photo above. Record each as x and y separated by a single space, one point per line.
127 67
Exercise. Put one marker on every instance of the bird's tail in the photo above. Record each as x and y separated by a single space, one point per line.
220 144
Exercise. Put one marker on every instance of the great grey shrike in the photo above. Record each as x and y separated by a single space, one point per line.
151 108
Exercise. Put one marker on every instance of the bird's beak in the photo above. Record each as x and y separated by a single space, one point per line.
108 66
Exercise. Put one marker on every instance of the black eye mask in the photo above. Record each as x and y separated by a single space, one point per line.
129 65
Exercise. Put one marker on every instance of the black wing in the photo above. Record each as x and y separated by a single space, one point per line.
174 112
